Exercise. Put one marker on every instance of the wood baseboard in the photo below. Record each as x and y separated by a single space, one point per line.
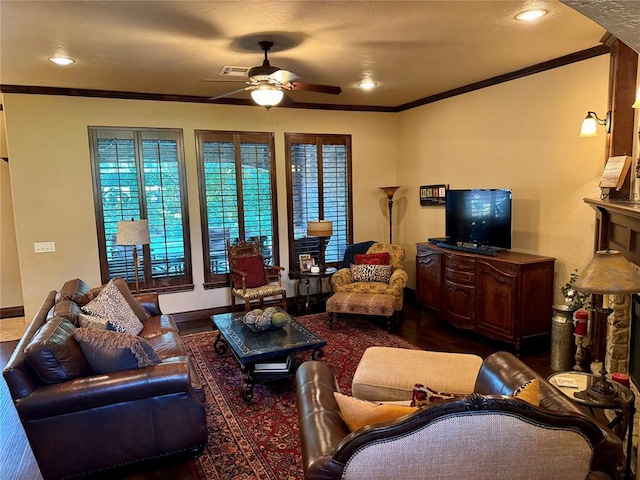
11 312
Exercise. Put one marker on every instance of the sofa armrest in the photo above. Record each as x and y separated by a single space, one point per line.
150 302
320 421
103 390
340 278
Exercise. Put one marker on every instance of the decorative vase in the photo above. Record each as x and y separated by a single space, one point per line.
562 341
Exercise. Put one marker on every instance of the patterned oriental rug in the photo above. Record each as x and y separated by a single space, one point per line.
260 440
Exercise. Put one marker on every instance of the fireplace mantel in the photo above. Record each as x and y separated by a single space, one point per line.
617 227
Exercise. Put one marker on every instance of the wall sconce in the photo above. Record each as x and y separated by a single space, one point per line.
591 121
636 104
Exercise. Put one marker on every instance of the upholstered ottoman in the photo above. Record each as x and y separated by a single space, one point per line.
389 374
377 304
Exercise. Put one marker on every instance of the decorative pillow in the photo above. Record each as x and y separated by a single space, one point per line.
359 413
91 321
529 392
425 396
112 305
351 250
254 268
382 258
126 293
108 351
54 354
371 273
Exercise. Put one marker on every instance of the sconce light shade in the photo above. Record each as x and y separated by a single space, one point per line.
636 104
320 228
134 232
608 272
590 123
267 96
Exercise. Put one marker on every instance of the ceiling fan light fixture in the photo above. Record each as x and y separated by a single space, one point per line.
267 96
63 61
531 15
367 85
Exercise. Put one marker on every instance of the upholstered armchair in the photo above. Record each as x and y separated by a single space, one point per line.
251 279
342 280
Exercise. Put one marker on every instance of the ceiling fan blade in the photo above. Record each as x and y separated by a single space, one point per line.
314 87
283 76
230 93
215 80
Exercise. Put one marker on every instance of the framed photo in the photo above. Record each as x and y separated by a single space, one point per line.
433 195
306 262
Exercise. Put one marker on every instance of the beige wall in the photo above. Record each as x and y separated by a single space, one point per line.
521 135
52 178
10 287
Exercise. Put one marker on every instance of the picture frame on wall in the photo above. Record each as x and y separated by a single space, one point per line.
306 262
433 195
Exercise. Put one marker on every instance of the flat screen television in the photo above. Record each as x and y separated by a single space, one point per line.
479 217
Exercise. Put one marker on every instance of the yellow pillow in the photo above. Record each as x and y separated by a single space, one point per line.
358 413
529 392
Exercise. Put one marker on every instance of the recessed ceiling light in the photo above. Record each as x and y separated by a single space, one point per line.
62 60
531 15
367 85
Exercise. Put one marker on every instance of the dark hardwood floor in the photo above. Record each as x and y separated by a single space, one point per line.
426 331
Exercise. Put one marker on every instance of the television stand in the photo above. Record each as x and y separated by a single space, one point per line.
472 248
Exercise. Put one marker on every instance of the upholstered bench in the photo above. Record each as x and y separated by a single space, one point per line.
377 304
389 374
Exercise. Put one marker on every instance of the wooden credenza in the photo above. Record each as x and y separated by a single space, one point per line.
507 297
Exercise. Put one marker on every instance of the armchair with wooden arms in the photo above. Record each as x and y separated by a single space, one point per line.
251 279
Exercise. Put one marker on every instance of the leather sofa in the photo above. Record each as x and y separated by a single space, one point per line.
485 435
97 422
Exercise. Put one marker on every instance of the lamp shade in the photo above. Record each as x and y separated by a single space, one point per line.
589 126
636 104
320 228
133 232
608 272
267 96
389 191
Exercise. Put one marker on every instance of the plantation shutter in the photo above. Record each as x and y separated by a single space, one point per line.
319 179
140 174
237 193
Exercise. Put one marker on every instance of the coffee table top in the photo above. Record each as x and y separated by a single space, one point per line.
249 346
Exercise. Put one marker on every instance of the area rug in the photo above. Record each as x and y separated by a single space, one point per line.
260 440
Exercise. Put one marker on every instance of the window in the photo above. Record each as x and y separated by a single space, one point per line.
139 174
236 171
318 188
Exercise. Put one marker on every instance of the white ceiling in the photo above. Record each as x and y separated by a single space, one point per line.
413 49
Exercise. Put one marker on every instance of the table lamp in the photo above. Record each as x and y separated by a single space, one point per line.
322 229
608 272
134 233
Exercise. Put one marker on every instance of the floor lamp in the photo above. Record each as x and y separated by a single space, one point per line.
390 191
134 233
322 229
608 272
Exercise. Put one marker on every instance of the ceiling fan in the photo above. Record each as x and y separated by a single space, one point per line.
267 83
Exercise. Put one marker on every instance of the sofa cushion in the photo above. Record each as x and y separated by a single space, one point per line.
92 321
157 325
54 354
382 258
167 345
108 351
67 309
359 413
529 392
425 396
371 273
112 305
253 267
72 290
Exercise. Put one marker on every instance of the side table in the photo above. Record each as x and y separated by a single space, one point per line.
305 278
623 405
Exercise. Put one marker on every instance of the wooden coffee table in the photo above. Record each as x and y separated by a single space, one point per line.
249 347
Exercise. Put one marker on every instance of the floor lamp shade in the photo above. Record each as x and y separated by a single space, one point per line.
320 228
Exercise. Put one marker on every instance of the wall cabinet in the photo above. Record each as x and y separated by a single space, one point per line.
507 297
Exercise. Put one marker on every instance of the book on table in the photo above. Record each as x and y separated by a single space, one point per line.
276 364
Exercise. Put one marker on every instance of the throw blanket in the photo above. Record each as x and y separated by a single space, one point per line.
351 251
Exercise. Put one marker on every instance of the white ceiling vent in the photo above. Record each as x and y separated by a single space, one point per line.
234 71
